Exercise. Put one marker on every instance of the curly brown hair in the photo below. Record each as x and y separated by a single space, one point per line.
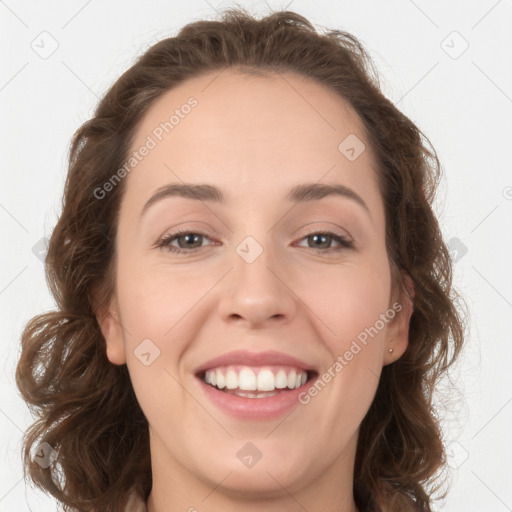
86 407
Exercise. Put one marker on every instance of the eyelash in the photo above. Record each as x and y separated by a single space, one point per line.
164 243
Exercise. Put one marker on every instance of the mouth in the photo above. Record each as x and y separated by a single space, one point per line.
249 392
256 382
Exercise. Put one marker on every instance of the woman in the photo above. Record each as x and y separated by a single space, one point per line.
254 299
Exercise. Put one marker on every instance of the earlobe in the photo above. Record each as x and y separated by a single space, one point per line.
112 333
398 331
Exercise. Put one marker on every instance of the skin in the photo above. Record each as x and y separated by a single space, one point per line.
254 138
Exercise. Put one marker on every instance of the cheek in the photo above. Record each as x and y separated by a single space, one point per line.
160 310
155 300
155 313
351 306
347 300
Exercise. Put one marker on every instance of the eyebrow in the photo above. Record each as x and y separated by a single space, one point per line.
206 192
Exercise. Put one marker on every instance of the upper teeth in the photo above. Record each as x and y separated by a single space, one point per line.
251 379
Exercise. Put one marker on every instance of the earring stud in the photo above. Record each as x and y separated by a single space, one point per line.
390 350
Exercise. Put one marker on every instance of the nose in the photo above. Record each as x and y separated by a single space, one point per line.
258 293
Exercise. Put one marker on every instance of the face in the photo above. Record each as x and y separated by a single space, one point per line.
296 284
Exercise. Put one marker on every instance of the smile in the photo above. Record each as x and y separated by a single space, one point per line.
255 393
238 379
255 385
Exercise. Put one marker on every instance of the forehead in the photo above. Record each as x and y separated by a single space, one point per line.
246 133
229 103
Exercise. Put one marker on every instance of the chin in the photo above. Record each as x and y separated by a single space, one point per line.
267 476
253 484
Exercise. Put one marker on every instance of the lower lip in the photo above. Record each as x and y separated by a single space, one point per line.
254 408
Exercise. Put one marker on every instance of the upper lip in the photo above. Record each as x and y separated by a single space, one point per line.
246 358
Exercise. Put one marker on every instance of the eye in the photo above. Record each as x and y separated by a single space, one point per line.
190 241
321 241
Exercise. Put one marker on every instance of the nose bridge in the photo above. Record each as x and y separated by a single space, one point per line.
256 292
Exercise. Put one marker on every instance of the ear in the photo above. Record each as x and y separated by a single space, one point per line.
113 333
398 328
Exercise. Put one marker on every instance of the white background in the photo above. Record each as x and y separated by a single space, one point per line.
463 104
